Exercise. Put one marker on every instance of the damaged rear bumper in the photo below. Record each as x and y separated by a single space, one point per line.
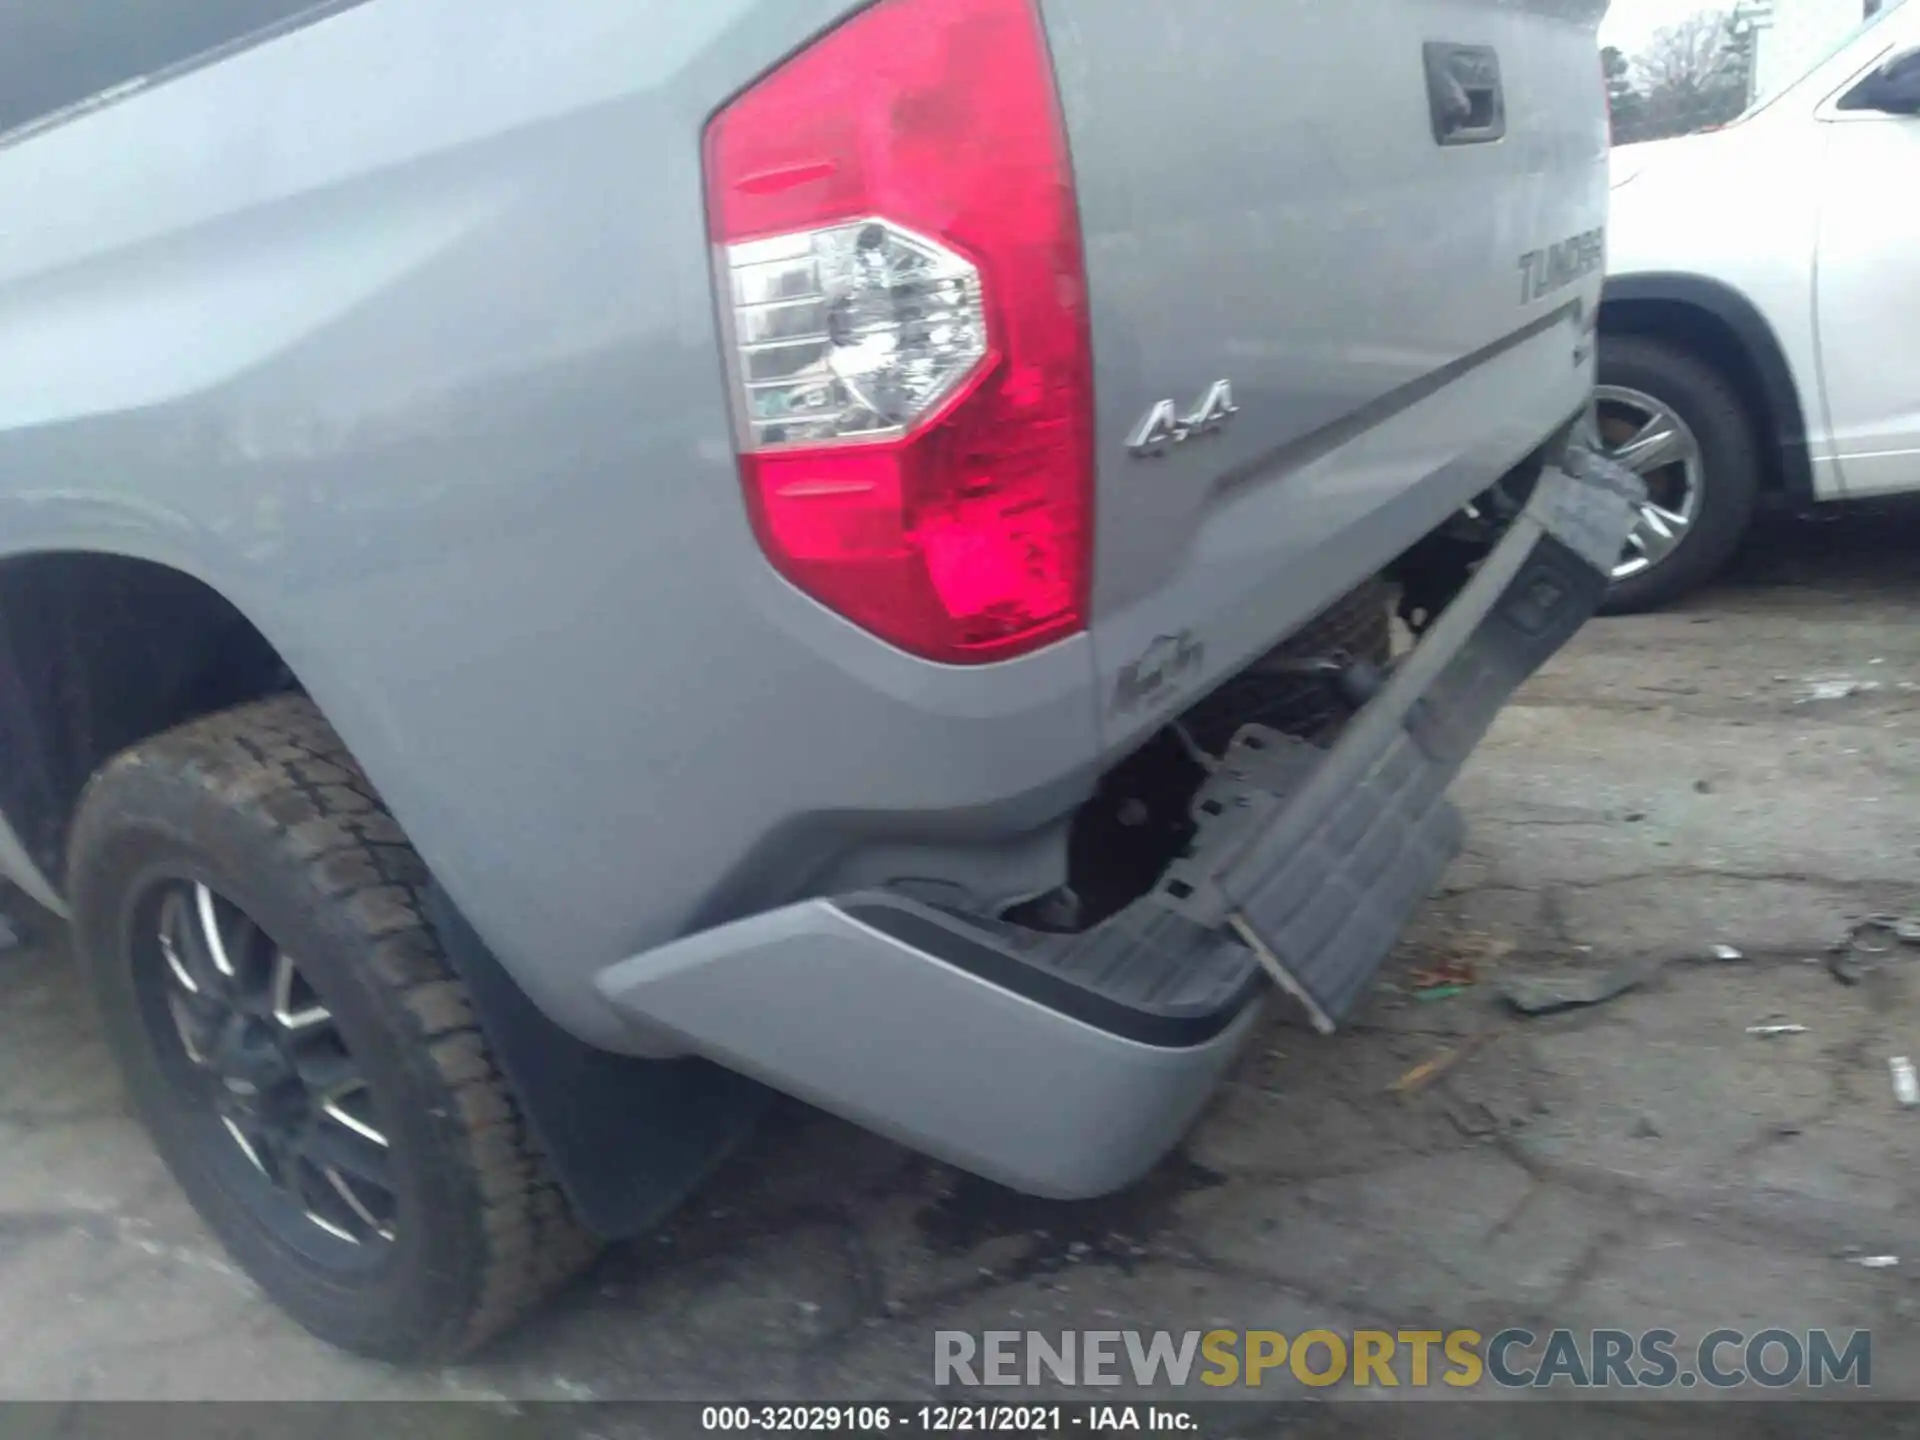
1065 1065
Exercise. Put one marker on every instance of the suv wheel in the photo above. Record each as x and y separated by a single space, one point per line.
1681 427
308 1064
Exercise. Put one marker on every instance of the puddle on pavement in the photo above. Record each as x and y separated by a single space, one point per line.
1112 1230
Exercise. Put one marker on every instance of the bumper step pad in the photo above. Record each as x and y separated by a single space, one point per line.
1322 890
1308 863
1065 1065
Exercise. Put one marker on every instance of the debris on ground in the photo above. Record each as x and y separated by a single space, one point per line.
1422 1075
1906 1084
1875 1262
1844 689
1453 975
1776 1030
1546 994
1428 1071
1868 942
1472 1119
1882 934
1727 952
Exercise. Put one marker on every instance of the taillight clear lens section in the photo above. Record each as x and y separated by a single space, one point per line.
853 332
900 255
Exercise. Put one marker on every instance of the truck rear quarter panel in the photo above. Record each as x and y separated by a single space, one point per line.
398 331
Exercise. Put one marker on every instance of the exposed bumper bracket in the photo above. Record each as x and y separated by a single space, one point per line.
1065 1065
1320 888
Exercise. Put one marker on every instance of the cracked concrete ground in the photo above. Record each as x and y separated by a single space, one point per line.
1742 772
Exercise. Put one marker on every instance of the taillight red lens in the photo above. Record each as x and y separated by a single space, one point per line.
900 262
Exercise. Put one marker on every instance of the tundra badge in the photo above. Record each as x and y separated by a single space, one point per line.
1544 271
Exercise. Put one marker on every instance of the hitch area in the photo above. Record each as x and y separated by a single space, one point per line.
1297 860
1143 817
1312 834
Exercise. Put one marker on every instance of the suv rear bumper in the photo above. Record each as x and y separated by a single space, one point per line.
1066 1065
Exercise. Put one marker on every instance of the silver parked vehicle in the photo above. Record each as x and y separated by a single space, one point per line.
564 569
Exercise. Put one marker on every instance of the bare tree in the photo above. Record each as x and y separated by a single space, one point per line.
1694 74
1626 107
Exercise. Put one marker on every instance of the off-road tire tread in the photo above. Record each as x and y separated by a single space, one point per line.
280 759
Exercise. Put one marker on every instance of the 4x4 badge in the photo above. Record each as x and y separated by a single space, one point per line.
1164 425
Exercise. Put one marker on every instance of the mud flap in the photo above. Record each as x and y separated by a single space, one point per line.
1317 860
628 1138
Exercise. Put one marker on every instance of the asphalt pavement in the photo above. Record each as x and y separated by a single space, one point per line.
1743 772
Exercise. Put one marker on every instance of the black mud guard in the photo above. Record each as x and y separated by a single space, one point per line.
628 1138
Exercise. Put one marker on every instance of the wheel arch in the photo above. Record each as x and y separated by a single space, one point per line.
101 650
98 651
1723 327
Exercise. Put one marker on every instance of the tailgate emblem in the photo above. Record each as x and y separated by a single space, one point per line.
1544 271
1164 425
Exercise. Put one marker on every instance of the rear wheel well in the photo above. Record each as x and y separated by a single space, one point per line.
98 652
1756 378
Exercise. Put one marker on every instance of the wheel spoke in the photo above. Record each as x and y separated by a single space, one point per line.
1658 442
342 1096
344 1188
177 967
287 1012
339 1232
1673 520
198 1022
190 965
210 936
340 1112
1657 531
1654 544
246 1144
316 1196
338 1148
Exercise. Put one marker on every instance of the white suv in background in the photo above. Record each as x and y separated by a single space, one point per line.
1761 328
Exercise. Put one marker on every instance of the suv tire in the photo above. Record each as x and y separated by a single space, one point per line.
1728 468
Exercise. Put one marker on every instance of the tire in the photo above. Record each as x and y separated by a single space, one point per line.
1729 465
262 810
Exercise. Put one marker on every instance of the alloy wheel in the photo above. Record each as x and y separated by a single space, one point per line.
259 1055
1648 436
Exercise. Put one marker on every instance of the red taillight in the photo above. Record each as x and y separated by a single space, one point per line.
900 269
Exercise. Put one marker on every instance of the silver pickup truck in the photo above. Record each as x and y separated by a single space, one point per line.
567 568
